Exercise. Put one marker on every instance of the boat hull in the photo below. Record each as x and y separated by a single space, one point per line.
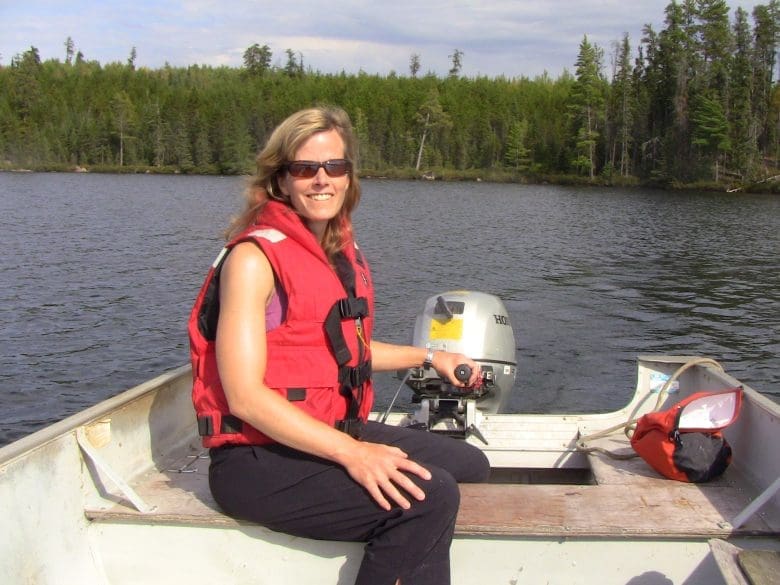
106 497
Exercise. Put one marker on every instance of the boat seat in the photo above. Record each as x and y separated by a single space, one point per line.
626 498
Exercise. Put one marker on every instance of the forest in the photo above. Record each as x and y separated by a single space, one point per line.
693 104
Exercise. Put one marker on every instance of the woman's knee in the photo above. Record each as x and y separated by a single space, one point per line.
479 468
442 494
471 464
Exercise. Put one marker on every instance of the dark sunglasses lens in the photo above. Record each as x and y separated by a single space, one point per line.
303 169
307 169
336 168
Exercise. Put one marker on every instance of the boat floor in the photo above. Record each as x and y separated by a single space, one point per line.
746 567
625 500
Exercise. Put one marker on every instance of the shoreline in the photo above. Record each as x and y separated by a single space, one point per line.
770 185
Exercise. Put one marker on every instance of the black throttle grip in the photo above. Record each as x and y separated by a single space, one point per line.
463 373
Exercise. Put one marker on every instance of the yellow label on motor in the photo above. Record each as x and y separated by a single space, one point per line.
452 329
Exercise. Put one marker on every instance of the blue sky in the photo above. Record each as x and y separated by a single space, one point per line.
497 37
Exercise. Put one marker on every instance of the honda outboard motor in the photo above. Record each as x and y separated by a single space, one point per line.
477 325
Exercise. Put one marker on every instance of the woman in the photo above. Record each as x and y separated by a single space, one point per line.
282 355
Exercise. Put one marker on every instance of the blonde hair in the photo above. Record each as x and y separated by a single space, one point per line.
280 149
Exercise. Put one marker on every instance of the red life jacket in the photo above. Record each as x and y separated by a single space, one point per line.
316 357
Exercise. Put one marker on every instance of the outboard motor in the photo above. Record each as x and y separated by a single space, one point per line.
477 325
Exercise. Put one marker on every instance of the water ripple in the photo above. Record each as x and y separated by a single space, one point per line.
98 277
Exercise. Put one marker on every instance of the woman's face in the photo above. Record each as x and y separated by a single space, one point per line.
317 199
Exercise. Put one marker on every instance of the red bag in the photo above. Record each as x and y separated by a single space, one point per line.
685 442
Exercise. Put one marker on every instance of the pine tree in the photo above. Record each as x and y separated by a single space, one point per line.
714 33
69 50
517 156
414 64
457 63
430 116
742 120
294 66
624 103
123 112
711 131
766 31
586 104
680 47
257 59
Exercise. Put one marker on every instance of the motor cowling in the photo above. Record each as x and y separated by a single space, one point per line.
477 325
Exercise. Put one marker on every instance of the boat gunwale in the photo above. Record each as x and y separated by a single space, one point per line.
91 414
99 410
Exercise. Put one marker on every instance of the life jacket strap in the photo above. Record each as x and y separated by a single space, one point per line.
353 307
347 308
352 382
229 425
352 426
354 377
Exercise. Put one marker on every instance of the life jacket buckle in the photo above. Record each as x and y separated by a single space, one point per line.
355 377
229 425
353 307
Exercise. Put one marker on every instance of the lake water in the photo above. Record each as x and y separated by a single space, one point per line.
98 274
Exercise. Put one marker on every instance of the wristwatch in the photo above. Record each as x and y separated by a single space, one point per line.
428 361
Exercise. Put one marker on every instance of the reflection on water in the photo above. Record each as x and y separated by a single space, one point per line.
591 278
99 272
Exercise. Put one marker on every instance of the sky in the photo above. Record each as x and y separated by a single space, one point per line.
510 38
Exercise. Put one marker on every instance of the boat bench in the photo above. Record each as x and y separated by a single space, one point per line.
625 498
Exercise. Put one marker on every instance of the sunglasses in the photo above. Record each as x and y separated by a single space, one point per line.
337 167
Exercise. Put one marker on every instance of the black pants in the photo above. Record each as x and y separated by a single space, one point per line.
296 493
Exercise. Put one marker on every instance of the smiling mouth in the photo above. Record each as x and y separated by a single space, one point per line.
320 196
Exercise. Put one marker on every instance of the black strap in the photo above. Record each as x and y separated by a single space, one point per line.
230 425
354 377
345 272
353 307
351 379
208 315
352 426
205 426
346 308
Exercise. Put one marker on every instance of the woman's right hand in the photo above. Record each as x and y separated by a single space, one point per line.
380 470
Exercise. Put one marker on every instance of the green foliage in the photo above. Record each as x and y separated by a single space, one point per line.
518 156
257 59
204 119
586 103
622 108
711 130
696 97
710 126
457 63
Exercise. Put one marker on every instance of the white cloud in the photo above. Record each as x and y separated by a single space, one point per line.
509 37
